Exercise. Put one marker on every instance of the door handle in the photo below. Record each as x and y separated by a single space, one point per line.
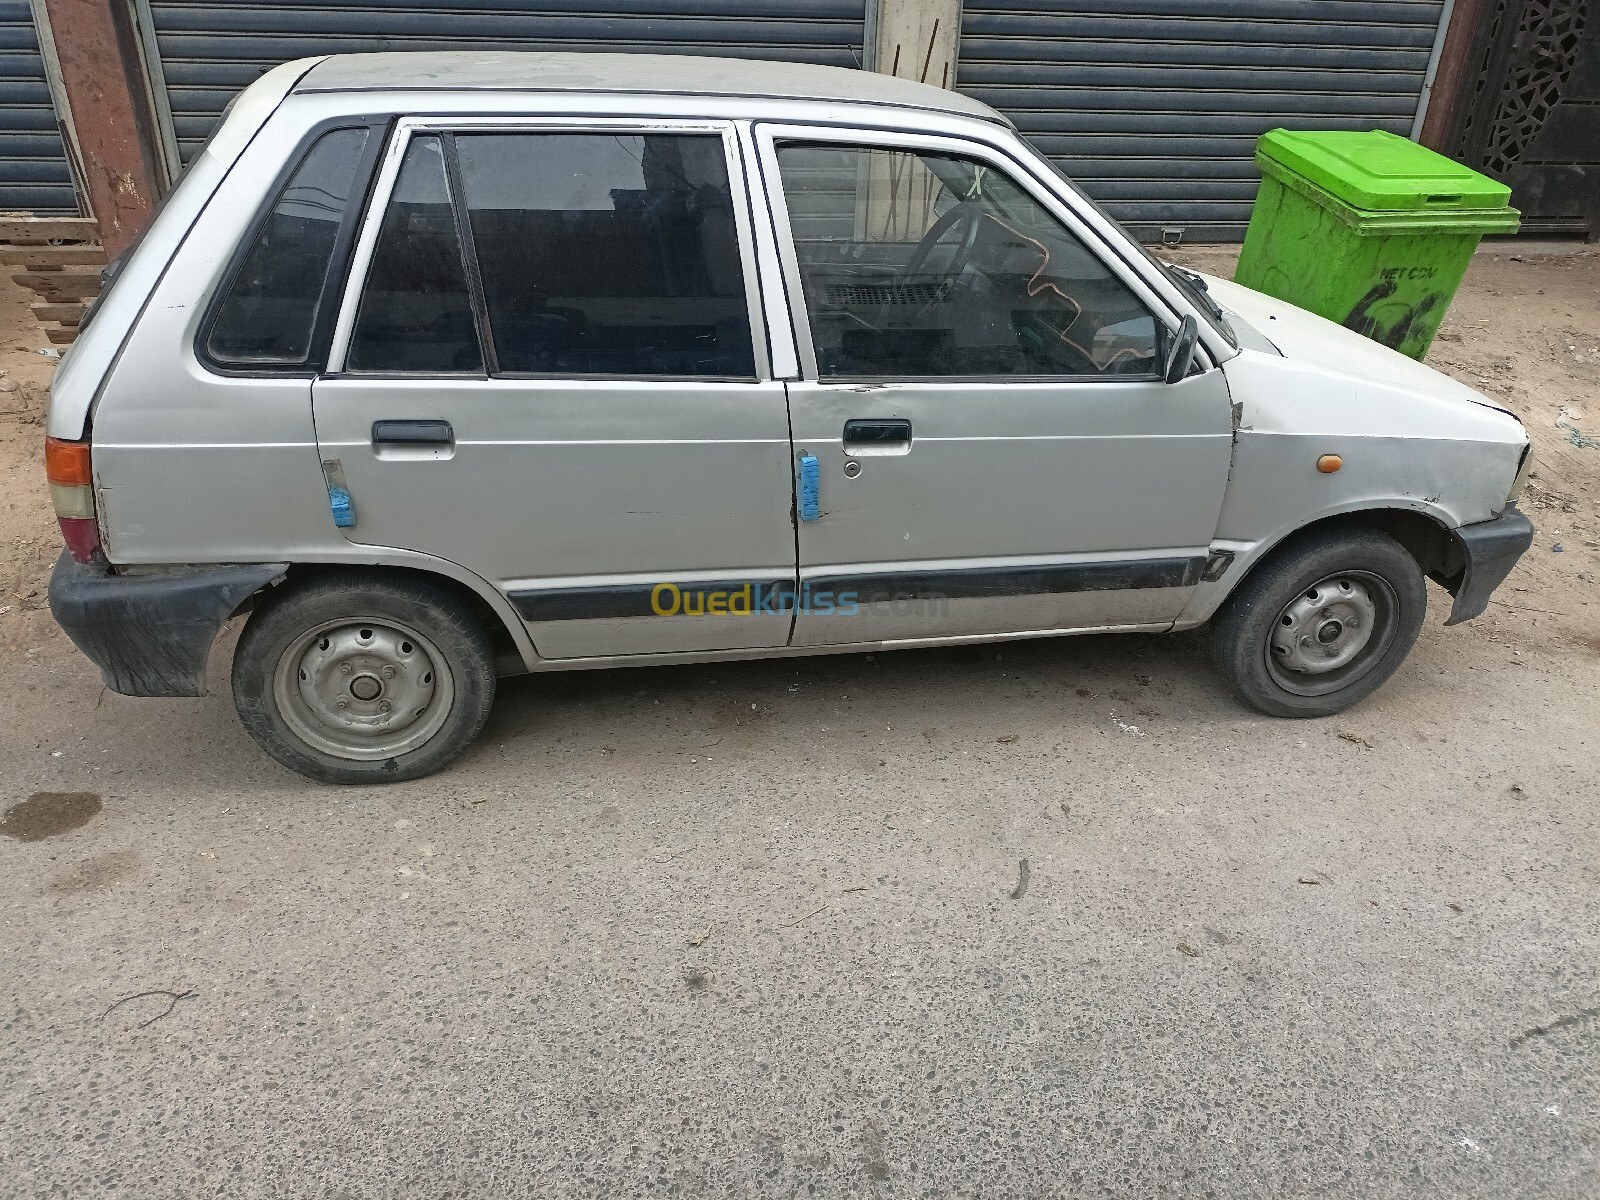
877 435
875 431
412 433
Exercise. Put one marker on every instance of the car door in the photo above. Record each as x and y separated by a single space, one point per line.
550 370
983 438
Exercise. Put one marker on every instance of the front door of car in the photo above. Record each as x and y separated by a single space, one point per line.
550 372
983 438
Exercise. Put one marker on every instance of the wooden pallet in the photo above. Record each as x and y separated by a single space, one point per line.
59 259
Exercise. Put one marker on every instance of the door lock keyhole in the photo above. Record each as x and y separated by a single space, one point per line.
852 469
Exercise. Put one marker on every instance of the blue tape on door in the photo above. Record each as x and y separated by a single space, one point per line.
810 486
344 513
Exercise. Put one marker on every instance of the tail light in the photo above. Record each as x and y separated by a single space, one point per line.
66 466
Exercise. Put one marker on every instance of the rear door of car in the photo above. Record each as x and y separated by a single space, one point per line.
987 443
551 369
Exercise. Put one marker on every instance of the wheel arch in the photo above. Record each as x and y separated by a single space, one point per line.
512 648
1423 535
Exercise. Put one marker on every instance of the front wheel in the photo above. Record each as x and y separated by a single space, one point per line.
363 679
1322 623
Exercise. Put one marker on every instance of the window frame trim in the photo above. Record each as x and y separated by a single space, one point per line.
467 245
330 297
768 135
742 195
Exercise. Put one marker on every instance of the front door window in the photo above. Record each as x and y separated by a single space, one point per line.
922 265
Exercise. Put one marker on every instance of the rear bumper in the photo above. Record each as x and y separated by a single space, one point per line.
1491 549
149 634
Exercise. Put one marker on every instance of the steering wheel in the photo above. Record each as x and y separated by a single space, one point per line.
967 217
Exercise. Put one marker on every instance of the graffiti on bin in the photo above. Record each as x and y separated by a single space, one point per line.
1392 322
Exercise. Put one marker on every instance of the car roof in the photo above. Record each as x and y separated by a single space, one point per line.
647 74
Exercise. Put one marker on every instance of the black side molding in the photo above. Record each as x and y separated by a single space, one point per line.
1491 549
964 584
771 595
637 600
150 634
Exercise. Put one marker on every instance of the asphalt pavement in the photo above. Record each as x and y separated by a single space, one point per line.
1058 919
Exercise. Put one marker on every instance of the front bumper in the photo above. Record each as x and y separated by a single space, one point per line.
149 634
1490 549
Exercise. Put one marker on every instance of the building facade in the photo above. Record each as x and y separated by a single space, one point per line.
1152 106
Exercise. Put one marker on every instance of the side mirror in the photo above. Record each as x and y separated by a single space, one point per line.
1181 352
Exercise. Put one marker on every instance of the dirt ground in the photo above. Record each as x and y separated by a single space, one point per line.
29 540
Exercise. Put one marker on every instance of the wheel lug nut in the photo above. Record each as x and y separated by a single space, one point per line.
345 669
344 704
388 672
383 706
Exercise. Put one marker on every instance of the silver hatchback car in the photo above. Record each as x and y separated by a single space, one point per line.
450 366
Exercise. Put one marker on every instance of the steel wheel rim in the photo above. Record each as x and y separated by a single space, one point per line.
363 688
1332 633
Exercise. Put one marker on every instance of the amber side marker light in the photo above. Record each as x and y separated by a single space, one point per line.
1329 463
66 466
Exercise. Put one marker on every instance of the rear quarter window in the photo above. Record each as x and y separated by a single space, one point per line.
269 313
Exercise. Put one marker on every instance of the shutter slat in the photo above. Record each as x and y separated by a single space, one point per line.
210 49
34 176
1154 106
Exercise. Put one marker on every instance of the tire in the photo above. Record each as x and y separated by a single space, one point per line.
355 678
1322 623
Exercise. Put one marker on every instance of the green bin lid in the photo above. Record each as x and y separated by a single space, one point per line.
1380 172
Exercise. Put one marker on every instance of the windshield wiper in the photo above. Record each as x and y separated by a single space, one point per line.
1197 285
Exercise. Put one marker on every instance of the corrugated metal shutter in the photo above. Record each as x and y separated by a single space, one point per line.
209 49
1154 106
34 176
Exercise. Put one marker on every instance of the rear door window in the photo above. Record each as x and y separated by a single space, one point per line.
416 314
607 254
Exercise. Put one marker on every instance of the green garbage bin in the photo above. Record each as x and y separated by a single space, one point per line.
1367 229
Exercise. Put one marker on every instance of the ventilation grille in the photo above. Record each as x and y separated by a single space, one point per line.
865 295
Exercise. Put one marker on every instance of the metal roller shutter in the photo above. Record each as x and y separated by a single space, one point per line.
34 176
209 49
1154 106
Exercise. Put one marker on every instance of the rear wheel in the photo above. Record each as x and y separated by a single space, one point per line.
1322 624
357 679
